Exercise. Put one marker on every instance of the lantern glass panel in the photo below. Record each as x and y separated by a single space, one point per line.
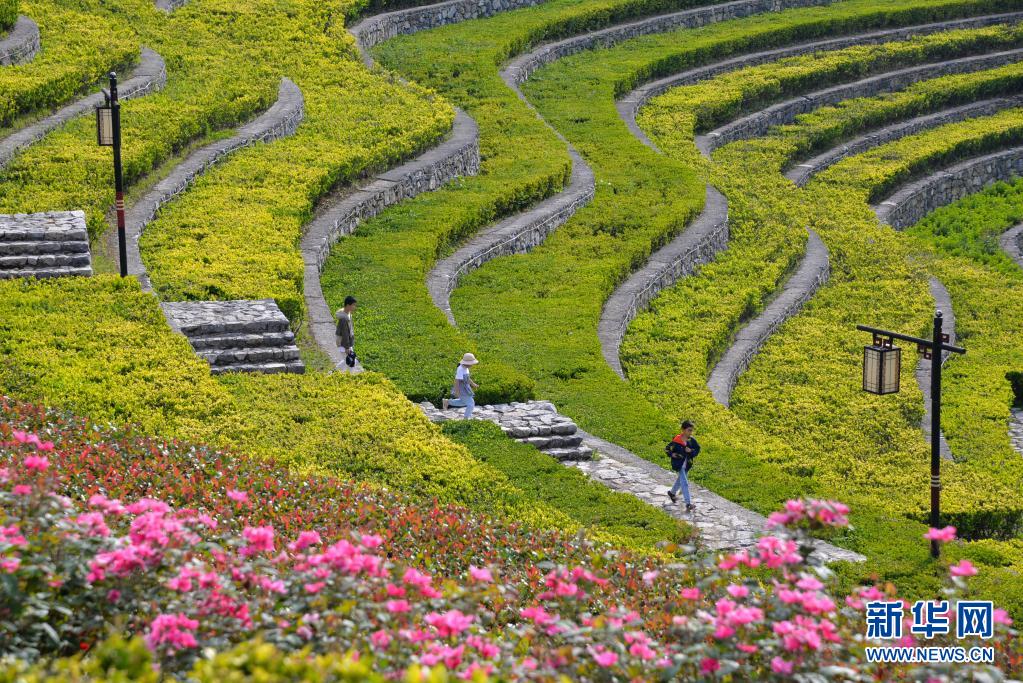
105 126
881 369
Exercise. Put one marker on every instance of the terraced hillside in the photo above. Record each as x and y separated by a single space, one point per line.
634 212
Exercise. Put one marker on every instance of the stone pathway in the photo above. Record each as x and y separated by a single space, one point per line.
21 43
800 174
149 76
758 123
722 525
279 121
943 303
1011 242
800 287
915 200
170 5
1016 429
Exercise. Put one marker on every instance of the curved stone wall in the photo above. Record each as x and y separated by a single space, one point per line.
278 121
696 245
374 30
457 156
629 106
149 76
811 274
800 174
914 201
521 68
1011 243
170 5
21 43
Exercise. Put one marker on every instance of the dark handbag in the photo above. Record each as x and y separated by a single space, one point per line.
350 359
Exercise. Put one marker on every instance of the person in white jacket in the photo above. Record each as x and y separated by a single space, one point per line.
464 389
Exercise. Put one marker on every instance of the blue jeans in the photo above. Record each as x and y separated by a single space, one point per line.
469 402
682 483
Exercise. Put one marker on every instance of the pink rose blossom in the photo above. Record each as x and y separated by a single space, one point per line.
380 639
603 657
480 574
238 496
37 463
737 591
260 540
964 568
709 665
946 535
781 667
398 606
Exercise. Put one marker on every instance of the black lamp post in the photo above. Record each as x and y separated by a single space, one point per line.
881 365
108 134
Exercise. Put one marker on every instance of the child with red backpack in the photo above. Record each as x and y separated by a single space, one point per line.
682 450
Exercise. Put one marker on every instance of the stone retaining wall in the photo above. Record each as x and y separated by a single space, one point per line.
374 30
1011 242
698 244
277 122
759 123
516 234
21 44
521 68
801 173
811 274
457 156
170 5
149 76
910 204
629 106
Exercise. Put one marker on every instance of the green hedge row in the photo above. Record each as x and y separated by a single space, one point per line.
9 10
386 261
538 312
70 61
101 347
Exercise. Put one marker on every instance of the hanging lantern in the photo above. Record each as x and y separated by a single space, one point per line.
105 125
882 364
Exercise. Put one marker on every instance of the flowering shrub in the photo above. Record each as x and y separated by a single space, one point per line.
191 586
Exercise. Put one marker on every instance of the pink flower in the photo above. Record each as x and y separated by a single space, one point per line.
414 577
946 535
398 606
94 524
603 657
537 615
238 496
964 568
173 630
737 591
395 591
260 540
1002 617
371 541
304 540
809 583
449 623
781 667
22 490
689 593
709 665
113 595
313 588
36 462
10 564
480 575
649 577
380 639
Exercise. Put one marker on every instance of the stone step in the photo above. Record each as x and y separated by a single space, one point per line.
58 271
546 442
29 261
570 454
50 226
44 246
522 430
225 327
250 355
242 341
296 367
218 318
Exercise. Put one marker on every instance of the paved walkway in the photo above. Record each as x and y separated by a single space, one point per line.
1016 429
722 524
1011 242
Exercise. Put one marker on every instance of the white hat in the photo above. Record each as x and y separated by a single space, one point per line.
469 359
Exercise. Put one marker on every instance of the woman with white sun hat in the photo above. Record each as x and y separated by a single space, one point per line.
463 390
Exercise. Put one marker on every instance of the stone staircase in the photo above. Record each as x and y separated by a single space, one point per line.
536 423
43 245
237 336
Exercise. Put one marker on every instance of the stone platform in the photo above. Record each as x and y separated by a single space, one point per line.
237 336
44 245
536 423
